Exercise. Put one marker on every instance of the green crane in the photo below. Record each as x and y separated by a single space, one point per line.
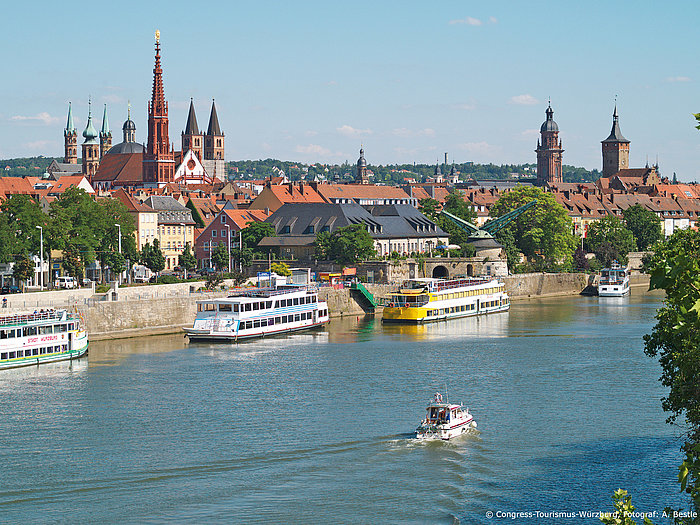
491 227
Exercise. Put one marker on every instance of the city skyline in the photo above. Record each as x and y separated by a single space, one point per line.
311 82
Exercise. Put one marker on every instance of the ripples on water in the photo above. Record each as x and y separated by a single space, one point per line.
317 427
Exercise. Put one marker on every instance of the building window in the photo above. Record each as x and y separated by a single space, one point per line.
285 229
213 233
223 233
223 219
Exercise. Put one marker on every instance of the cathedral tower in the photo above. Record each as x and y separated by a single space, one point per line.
91 148
549 151
70 140
105 135
191 137
129 128
159 159
361 177
616 149
214 139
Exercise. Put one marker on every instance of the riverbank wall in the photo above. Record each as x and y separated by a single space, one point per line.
165 309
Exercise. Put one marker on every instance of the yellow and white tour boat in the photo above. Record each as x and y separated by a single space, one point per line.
427 300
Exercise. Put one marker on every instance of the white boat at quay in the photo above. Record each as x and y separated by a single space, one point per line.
614 281
445 420
41 337
258 312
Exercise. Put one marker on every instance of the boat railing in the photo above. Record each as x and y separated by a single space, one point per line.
270 292
46 315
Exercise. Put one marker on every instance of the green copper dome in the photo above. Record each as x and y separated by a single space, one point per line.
90 133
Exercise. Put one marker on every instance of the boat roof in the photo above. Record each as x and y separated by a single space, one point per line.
261 293
443 405
35 317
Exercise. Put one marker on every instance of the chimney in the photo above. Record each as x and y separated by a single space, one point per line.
301 188
291 188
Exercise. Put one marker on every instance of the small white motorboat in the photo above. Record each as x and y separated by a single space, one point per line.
445 420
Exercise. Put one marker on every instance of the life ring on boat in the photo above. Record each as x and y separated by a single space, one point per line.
391 305
407 305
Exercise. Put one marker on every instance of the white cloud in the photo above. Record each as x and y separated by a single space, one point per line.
678 79
349 131
524 100
468 21
405 132
493 19
478 147
313 149
331 83
43 117
39 145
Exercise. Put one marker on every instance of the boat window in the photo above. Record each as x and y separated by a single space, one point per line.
256 323
249 325
35 351
263 322
13 355
209 307
235 307
278 320
268 304
64 328
199 307
271 321
3 334
248 307
64 348
3 355
255 306
225 308
296 301
297 317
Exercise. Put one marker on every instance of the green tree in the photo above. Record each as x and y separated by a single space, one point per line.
115 261
196 216
456 205
322 245
219 256
543 233
23 269
153 257
644 224
610 240
348 245
429 208
72 263
22 215
254 233
675 340
281 268
243 257
187 259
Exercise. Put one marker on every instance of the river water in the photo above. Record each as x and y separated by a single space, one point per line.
317 427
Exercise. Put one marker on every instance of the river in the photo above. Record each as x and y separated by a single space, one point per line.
317 427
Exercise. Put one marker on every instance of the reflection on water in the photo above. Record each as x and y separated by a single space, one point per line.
317 427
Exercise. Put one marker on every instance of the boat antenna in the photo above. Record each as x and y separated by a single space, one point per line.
447 396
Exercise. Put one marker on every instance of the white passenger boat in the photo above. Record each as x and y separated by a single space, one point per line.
41 337
258 312
614 281
426 300
445 420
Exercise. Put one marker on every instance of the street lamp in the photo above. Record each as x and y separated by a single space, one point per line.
119 229
41 249
228 227
184 243
240 250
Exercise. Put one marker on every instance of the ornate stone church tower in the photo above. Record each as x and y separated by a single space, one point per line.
214 139
70 139
191 137
361 177
105 135
549 151
91 148
159 159
616 149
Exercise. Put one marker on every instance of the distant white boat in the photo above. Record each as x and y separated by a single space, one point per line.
444 420
614 281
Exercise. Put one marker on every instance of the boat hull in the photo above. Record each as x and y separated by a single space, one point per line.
412 315
205 335
614 291
80 349
444 433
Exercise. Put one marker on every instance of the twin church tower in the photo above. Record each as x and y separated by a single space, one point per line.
616 150
159 157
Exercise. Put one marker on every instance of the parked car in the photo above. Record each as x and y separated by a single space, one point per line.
66 282
10 288
209 270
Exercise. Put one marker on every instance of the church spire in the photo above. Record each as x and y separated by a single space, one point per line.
105 122
70 139
90 133
70 127
214 139
105 135
191 128
213 128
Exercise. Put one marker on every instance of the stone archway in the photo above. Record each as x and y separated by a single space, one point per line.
441 272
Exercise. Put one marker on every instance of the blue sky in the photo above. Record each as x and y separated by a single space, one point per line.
311 81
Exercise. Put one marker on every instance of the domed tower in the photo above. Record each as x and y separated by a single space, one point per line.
129 128
192 139
105 135
214 139
70 139
91 148
361 177
549 151
616 149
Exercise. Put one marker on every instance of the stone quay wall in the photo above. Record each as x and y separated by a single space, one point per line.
163 309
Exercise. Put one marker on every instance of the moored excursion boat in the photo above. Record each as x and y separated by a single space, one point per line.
41 337
258 312
445 420
614 281
426 300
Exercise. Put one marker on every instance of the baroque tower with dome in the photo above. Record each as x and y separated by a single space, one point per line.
549 151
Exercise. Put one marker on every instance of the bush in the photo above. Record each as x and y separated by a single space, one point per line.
167 279
102 288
